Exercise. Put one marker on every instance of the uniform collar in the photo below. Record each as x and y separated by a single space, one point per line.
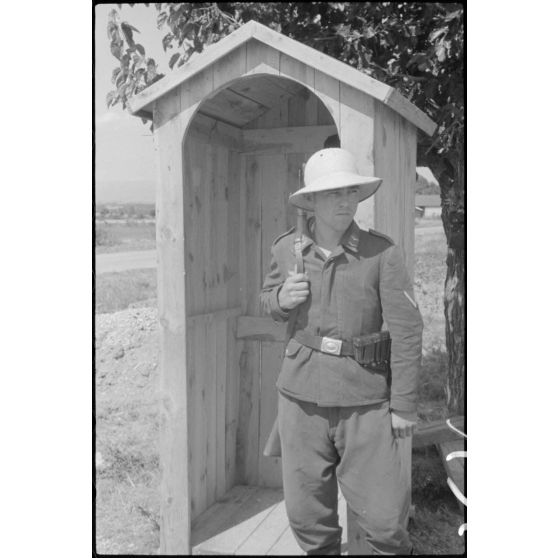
349 240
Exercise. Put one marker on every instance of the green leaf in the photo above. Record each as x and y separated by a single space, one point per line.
162 19
128 35
167 40
140 49
110 98
112 30
114 17
115 73
130 26
173 59
116 49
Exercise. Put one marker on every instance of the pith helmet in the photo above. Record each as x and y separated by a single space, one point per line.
329 169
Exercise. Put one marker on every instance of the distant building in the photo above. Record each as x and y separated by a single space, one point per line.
427 197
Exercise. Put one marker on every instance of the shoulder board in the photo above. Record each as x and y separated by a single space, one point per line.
290 231
381 235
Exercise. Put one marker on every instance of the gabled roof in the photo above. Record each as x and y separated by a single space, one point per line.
305 54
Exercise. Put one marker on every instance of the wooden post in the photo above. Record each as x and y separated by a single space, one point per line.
175 503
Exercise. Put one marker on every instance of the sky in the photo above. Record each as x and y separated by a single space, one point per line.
125 155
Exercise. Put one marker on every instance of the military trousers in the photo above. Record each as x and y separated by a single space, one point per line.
353 447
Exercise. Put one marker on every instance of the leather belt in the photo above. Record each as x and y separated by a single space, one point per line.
325 344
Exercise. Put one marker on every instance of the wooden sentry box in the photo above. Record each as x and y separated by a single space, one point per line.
232 128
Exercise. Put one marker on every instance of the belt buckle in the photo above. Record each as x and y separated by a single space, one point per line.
331 346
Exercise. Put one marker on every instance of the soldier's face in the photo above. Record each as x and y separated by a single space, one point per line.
336 208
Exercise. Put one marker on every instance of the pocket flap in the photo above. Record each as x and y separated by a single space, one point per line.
293 346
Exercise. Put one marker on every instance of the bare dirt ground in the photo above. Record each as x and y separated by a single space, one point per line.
127 354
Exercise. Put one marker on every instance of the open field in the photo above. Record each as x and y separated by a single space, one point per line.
127 505
124 235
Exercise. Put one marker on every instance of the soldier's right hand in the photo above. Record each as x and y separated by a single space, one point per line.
295 290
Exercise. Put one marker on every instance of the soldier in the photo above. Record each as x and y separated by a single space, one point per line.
342 407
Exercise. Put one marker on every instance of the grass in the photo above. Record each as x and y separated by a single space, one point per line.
117 291
124 236
127 420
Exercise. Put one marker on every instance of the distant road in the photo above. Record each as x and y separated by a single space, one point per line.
122 261
145 259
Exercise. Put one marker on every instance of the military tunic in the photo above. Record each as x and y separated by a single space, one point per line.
362 284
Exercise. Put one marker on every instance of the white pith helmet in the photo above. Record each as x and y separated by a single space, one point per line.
329 169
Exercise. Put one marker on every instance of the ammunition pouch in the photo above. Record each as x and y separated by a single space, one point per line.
373 350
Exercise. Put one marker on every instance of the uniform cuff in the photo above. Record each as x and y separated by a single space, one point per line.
276 312
407 415
402 405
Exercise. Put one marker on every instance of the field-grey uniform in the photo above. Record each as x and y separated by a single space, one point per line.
334 414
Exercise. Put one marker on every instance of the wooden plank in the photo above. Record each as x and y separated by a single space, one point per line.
290 139
437 432
357 113
217 314
233 108
228 69
198 426
231 269
297 70
266 533
209 399
274 201
262 328
408 166
261 59
260 89
169 127
323 115
328 90
248 432
231 277
395 163
311 118
230 525
275 117
209 130
286 545
220 231
222 357
193 169
231 399
221 516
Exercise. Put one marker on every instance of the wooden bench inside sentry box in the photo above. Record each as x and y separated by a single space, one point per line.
232 128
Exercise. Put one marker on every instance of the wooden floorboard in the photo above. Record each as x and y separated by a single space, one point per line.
251 521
